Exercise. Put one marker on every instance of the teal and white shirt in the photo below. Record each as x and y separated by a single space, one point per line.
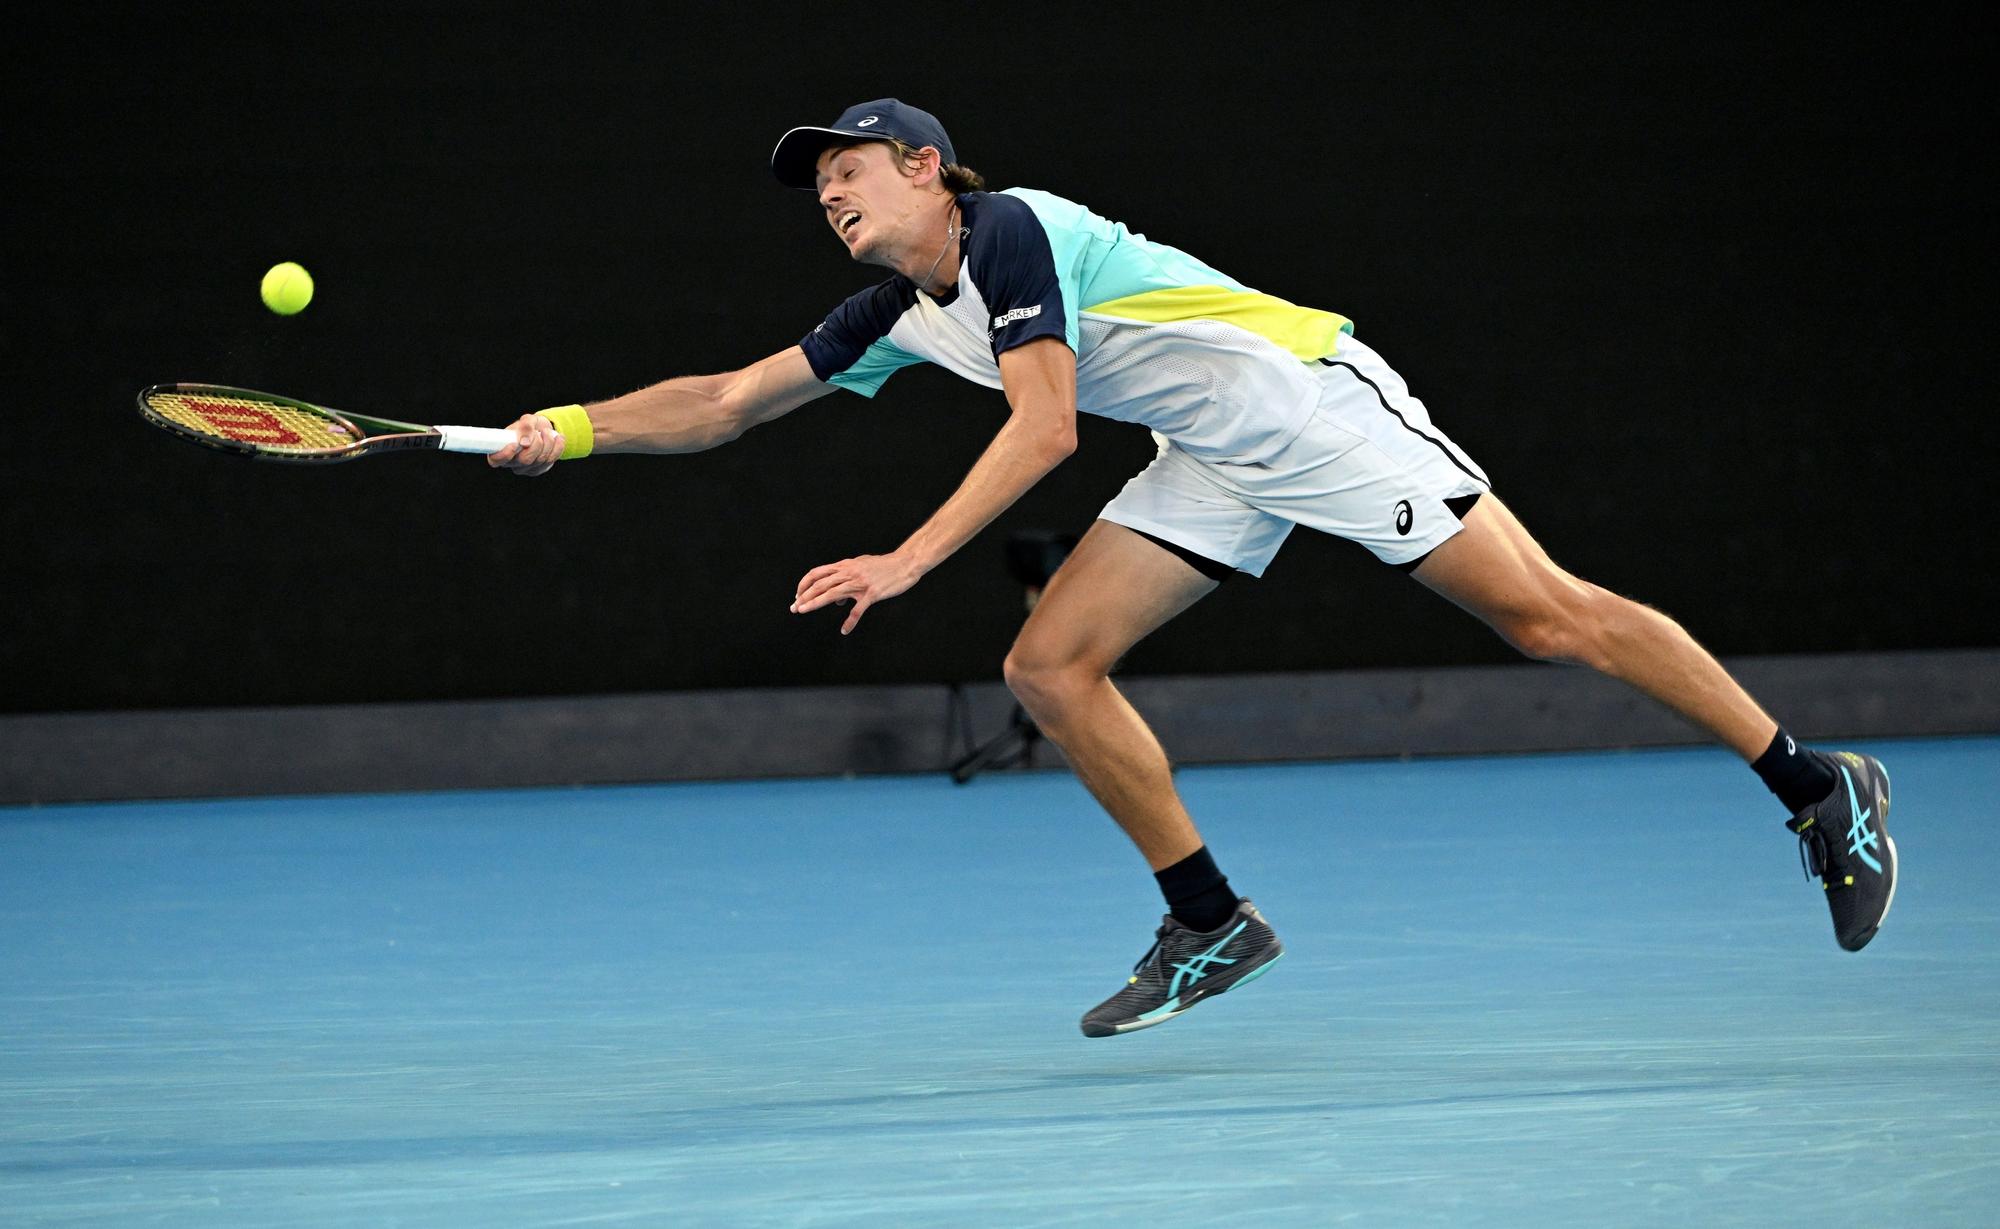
1160 338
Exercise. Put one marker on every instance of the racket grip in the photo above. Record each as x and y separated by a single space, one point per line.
482 440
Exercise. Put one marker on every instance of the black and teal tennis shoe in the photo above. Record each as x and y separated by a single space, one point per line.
1843 839
1183 967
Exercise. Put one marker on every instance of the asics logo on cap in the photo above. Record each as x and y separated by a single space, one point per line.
873 119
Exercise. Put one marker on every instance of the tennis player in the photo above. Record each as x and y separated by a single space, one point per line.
1269 415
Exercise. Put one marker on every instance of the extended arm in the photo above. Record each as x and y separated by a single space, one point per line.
1040 381
685 414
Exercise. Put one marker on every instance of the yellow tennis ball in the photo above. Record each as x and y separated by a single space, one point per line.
287 289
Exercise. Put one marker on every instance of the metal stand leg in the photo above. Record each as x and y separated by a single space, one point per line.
1011 746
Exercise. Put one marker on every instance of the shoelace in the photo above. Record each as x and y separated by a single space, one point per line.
1814 840
1159 937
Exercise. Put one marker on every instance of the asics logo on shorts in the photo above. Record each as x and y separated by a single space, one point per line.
1404 516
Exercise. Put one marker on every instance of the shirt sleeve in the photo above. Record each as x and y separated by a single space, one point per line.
851 347
1017 274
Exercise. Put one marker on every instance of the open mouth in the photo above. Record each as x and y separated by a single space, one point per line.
848 221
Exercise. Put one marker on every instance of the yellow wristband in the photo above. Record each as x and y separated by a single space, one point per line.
574 425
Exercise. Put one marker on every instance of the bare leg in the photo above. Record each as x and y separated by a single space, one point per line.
1115 589
1493 569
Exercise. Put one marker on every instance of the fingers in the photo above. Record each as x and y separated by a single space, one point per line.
854 616
837 589
537 446
818 586
863 581
832 587
831 583
823 573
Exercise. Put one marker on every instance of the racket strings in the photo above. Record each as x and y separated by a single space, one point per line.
267 424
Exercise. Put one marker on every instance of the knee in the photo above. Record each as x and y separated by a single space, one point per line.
1043 680
1571 624
1541 637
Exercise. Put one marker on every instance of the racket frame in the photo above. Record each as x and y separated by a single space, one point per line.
371 434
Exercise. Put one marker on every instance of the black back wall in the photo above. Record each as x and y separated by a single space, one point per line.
1704 293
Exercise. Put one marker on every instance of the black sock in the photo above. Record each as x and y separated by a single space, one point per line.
1197 894
1799 776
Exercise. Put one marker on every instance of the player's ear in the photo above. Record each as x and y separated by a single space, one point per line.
932 166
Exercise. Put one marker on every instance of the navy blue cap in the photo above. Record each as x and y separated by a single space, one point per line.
796 159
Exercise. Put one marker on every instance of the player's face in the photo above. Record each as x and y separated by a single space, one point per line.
869 200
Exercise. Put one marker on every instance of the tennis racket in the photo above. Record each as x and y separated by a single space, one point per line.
272 428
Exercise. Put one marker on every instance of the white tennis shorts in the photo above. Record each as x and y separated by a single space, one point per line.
1369 466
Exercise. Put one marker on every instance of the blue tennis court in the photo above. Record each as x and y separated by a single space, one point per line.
1550 991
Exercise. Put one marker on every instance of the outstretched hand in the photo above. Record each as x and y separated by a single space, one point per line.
863 581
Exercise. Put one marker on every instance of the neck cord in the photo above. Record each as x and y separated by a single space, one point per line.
950 232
